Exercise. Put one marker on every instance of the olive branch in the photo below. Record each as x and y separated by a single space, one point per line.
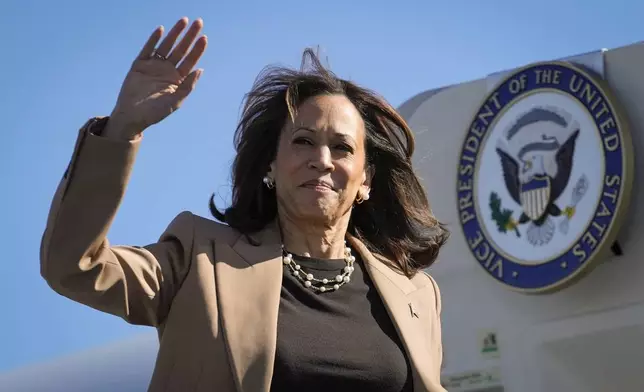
502 216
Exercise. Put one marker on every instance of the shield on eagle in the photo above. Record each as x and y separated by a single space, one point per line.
535 196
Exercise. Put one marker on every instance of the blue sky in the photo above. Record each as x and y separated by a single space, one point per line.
64 62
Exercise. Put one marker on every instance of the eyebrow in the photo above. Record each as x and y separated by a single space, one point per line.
298 128
303 128
343 136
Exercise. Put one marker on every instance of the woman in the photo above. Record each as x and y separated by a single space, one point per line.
314 282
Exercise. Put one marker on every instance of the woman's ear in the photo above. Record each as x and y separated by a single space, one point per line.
271 171
369 172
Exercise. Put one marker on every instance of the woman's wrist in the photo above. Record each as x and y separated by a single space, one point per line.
118 128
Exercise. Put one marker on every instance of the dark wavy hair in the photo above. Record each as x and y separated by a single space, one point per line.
396 222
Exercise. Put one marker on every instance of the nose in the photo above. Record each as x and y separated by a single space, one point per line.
321 160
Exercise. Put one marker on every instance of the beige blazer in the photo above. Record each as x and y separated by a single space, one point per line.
212 295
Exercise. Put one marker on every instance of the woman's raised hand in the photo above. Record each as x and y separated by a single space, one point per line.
160 79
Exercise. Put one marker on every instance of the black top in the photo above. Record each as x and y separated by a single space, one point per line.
337 341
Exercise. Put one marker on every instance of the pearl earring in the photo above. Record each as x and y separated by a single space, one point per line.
360 199
269 182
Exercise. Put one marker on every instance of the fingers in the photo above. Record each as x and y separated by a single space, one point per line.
193 57
188 61
171 38
149 46
186 42
186 87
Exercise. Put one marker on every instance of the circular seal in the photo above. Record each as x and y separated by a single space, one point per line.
544 176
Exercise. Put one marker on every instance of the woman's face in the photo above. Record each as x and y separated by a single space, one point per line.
320 165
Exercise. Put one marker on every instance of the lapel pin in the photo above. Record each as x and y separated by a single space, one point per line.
412 310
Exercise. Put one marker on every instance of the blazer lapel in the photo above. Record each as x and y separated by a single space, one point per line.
395 289
249 279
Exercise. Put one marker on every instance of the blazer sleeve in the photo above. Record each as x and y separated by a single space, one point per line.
76 259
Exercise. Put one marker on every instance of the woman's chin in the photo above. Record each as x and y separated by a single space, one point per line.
316 200
317 210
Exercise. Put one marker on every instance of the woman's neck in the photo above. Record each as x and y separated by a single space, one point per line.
318 241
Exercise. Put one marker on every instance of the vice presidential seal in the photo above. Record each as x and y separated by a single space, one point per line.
544 176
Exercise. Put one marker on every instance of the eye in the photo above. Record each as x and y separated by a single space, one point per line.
344 147
303 140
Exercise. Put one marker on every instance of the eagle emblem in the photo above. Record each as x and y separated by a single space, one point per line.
536 175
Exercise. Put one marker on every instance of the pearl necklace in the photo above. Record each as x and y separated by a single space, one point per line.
323 285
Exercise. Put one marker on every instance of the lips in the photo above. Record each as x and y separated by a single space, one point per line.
317 184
